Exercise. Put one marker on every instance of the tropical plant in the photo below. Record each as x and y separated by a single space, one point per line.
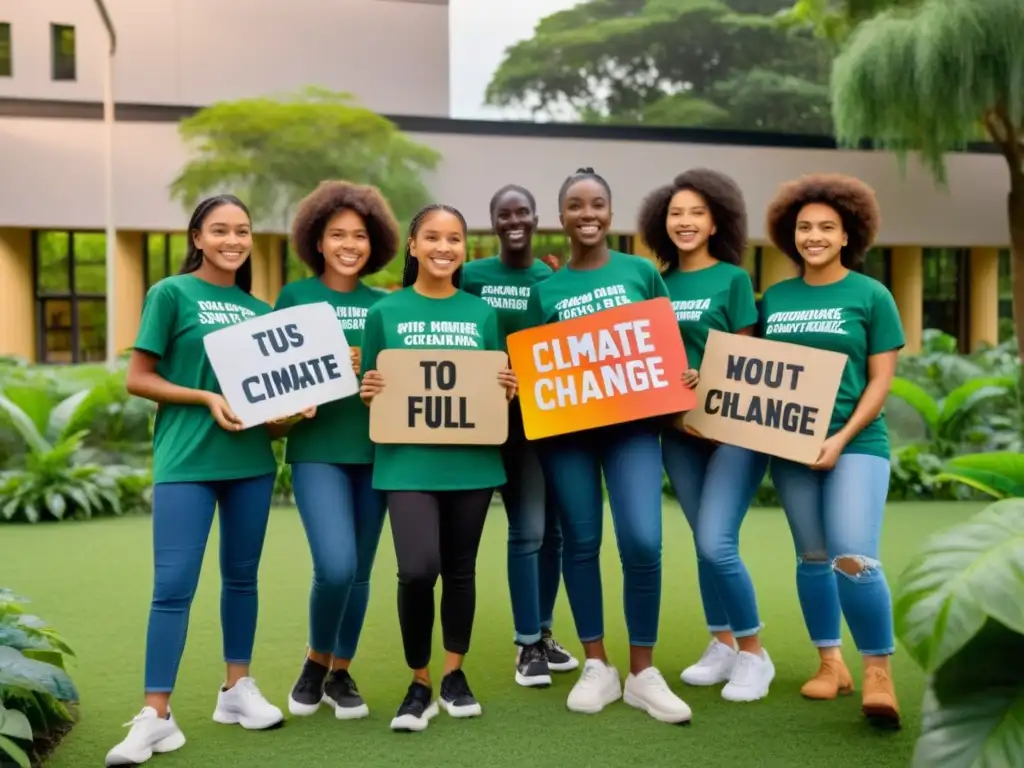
37 696
959 613
283 490
997 474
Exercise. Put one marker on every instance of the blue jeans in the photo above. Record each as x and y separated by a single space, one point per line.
630 457
534 543
836 521
715 485
343 517
182 517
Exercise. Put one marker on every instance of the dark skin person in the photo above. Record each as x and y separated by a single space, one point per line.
514 223
586 216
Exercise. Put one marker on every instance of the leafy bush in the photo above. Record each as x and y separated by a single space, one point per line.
37 696
959 611
283 490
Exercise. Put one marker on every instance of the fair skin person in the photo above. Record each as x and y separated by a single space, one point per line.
440 248
820 238
690 226
225 241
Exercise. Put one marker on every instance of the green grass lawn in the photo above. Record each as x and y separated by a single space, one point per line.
93 580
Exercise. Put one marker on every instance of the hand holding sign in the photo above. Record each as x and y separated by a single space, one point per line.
222 413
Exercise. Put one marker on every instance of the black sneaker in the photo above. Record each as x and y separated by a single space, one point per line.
559 659
308 691
456 698
416 709
532 665
341 691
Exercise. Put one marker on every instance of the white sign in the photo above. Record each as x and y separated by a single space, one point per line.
281 363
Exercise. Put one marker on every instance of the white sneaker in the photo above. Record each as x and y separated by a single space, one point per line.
714 667
244 705
649 691
751 677
149 734
597 687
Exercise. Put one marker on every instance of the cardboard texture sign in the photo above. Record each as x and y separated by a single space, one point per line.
610 367
281 363
440 397
767 396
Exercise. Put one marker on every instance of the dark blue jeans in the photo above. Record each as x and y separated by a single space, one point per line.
630 458
182 517
534 543
343 517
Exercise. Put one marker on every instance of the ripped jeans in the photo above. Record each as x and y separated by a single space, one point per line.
836 521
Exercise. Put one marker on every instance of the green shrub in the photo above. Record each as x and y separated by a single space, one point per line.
38 699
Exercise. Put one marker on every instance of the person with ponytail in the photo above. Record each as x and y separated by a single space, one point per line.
343 232
627 455
202 459
534 538
437 495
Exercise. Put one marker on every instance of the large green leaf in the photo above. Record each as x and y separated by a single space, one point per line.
999 474
16 753
16 669
961 577
983 730
917 398
14 724
25 426
64 413
959 404
19 637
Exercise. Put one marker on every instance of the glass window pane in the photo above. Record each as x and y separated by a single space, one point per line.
53 251
62 51
90 250
56 329
6 54
92 331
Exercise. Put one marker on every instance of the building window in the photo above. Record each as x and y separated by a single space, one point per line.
162 256
62 52
878 264
70 275
6 54
1005 295
946 288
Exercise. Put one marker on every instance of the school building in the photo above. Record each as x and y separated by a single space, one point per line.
941 251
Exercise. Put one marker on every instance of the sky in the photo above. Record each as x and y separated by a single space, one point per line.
480 31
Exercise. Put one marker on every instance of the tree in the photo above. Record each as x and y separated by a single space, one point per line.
835 21
720 63
925 78
272 152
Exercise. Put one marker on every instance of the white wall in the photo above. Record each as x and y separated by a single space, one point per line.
52 177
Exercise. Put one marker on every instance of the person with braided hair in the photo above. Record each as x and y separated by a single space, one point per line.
628 456
438 495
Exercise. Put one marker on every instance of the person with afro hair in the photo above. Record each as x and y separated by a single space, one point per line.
505 281
343 232
628 458
825 224
697 227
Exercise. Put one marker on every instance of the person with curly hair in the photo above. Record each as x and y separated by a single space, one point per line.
627 455
697 227
826 223
534 538
343 232
438 495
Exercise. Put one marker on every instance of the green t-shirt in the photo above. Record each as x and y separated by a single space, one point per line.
407 320
188 445
504 288
340 431
856 316
570 293
718 297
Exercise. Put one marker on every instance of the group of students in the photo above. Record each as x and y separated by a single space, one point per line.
437 497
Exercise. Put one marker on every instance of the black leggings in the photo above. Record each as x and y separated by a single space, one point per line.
436 534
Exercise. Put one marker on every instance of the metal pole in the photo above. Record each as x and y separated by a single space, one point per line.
111 227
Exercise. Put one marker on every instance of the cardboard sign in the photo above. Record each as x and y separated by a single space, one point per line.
281 363
768 396
614 366
440 397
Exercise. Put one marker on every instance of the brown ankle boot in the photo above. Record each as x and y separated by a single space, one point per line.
878 699
831 680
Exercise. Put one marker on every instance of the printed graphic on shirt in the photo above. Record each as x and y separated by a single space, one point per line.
690 310
512 297
592 301
351 318
222 313
449 334
806 321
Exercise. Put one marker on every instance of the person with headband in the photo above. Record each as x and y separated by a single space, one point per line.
438 495
628 456
697 227
534 538
202 460
825 224
343 232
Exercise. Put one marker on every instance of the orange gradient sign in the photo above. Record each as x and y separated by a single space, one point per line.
613 366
